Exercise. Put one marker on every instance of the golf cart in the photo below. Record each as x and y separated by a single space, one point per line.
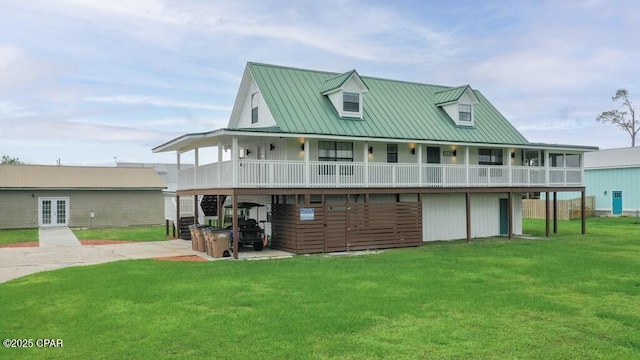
249 229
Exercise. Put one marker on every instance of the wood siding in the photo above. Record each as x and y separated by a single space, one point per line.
347 227
19 209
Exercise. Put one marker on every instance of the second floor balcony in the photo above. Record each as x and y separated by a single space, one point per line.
246 173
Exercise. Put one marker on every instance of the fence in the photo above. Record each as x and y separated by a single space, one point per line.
567 209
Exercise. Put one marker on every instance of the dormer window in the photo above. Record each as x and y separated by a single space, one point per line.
464 112
458 103
350 102
346 94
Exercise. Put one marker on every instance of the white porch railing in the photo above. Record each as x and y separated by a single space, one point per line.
287 174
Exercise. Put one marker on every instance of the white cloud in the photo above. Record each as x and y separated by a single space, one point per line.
156 101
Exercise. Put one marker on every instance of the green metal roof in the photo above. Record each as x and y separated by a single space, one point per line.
336 82
450 95
392 109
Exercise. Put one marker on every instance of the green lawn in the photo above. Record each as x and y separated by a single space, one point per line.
570 297
133 233
17 236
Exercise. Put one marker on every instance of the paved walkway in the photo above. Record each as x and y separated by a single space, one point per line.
59 248
57 236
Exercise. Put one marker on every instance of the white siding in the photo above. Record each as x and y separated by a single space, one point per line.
444 216
265 118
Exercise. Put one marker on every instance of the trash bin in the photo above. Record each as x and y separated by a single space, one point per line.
197 238
194 238
218 242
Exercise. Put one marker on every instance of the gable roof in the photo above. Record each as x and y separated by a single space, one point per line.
392 109
78 177
334 84
451 95
613 158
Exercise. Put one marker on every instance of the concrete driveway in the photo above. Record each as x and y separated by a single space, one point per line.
59 248
18 262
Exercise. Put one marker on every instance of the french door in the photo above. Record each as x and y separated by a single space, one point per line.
53 211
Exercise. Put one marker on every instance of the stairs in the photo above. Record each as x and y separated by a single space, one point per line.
185 234
209 204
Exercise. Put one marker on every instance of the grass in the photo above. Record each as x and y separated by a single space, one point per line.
18 236
133 233
569 297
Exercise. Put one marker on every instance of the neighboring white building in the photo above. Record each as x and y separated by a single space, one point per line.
347 162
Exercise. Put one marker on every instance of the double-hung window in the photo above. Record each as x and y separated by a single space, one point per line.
255 103
350 102
392 153
465 112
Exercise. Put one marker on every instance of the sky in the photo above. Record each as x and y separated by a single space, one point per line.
92 82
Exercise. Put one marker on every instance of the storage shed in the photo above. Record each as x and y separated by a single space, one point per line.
78 196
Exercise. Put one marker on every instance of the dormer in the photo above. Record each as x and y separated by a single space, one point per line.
345 92
459 104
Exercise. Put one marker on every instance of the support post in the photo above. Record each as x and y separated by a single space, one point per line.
365 156
236 233
468 213
546 213
510 214
419 146
555 212
178 211
583 211
220 223
196 214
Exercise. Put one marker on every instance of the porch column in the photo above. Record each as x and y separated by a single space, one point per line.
510 214
468 213
466 164
555 212
546 168
583 211
509 169
178 168
365 155
196 157
177 196
220 151
419 146
234 161
234 226
546 213
307 165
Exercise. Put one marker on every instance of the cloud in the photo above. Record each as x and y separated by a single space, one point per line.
156 101
18 70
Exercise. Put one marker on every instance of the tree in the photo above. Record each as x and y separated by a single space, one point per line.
619 118
6 159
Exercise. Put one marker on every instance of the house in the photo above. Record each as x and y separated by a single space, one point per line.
167 172
345 162
40 195
613 177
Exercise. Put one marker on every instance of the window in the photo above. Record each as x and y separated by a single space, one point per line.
262 154
490 156
573 160
255 102
350 102
465 112
392 153
335 151
433 155
557 160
